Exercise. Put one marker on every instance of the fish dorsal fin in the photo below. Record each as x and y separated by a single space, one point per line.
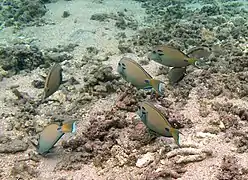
138 65
159 112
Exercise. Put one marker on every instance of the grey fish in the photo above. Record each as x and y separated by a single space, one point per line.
176 74
53 81
199 52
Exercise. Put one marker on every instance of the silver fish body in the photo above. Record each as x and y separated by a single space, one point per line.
53 80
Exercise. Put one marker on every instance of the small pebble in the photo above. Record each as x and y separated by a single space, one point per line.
66 14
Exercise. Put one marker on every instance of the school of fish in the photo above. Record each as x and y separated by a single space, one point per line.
136 75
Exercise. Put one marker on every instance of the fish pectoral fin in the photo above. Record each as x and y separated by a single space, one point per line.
147 81
147 88
59 129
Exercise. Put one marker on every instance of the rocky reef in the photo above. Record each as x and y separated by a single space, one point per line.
209 105
21 13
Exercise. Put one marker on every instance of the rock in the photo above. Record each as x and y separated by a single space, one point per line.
145 160
66 14
100 17
4 139
222 126
22 170
204 135
13 146
100 88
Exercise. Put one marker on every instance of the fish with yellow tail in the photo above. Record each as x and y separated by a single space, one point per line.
133 73
51 134
53 80
170 56
156 121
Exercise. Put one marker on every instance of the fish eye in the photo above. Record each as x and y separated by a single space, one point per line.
146 81
159 51
167 129
153 52
185 60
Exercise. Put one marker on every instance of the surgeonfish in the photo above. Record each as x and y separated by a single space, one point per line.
199 52
156 121
53 80
68 127
48 138
176 74
132 72
51 135
170 56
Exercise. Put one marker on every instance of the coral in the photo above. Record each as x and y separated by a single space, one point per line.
101 81
23 56
19 57
21 13
188 155
230 169
123 20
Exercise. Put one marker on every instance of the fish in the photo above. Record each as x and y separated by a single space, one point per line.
154 120
170 56
53 80
199 52
133 73
68 127
176 74
48 138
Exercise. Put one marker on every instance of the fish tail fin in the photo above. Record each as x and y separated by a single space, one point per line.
192 60
73 129
175 134
68 128
158 86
